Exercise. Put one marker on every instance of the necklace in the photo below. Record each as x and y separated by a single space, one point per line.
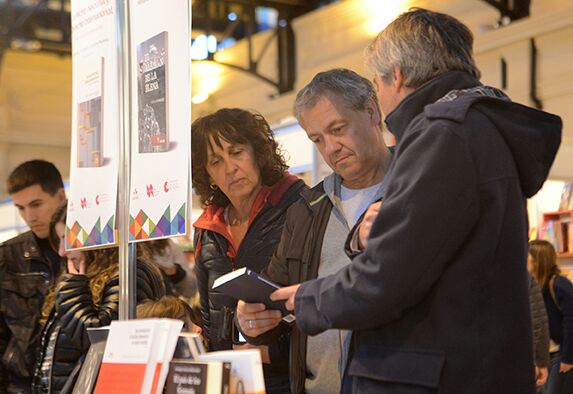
233 221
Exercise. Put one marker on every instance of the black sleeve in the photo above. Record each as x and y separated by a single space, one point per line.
77 311
202 275
430 206
540 325
5 333
564 295
4 338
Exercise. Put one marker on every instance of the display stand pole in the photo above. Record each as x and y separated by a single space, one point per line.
127 282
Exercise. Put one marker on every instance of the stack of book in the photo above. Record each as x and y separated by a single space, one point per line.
137 356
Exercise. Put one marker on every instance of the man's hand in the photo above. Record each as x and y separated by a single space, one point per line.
255 319
564 367
287 294
366 224
541 375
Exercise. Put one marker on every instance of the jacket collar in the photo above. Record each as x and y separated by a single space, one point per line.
399 119
213 219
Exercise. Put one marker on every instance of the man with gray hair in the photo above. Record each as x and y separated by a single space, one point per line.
339 111
438 300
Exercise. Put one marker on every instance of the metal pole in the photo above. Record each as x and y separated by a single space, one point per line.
127 284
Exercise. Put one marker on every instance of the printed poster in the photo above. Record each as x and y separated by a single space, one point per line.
95 123
161 118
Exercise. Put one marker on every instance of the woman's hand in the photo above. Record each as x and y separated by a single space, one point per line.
255 319
77 265
564 367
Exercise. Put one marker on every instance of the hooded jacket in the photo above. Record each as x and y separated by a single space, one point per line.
438 301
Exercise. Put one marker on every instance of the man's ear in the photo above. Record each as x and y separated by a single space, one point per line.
61 194
398 78
374 112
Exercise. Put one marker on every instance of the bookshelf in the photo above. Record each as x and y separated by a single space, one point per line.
557 228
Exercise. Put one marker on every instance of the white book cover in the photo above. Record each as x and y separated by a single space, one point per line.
246 369
128 363
167 340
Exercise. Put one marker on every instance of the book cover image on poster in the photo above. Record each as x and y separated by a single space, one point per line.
90 122
153 128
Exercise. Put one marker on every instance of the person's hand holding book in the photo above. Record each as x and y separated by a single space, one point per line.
287 295
255 319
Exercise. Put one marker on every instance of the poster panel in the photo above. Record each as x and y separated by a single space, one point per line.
161 118
95 123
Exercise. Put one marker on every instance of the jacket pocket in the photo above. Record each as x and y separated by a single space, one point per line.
22 295
391 370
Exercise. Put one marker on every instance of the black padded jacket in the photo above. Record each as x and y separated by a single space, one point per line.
213 260
64 339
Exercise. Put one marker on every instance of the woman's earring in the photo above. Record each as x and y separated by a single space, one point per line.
213 187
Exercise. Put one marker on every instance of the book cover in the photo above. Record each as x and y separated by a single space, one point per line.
128 365
210 377
166 342
189 346
566 197
246 369
153 127
90 119
245 284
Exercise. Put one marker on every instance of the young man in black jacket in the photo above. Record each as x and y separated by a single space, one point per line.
28 266
438 300
339 111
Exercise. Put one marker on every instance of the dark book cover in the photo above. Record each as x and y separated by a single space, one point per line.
152 77
211 377
245 284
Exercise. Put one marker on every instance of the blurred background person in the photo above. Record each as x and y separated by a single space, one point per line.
540 333
173 308
558 296
170 259
85 295
242 180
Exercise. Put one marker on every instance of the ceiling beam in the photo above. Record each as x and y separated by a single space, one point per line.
512 9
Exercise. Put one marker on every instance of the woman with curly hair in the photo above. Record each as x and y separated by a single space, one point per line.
87 295
240 175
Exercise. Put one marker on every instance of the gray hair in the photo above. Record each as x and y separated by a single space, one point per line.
422 44
355 90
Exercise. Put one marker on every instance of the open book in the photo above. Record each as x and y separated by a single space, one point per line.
245 284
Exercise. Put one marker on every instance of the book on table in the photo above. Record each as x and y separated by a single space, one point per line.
137 355
189 346
198 377
246 369
245 284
